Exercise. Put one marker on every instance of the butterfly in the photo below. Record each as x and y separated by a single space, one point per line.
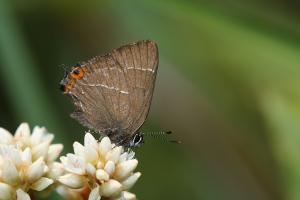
112 93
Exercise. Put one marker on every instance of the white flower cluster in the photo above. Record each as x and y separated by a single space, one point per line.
98 170
27 162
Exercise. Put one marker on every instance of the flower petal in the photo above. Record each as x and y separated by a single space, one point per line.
6 191
110 188
40 150
67 193
91 154
78 149
131 180
39 135
23 131
90 169
104 146
41 184
124 169
72 180
89 140
95 195
109 167
56 169
10 152
54 151
90 148
10 173
73 164
102 175
125 196
35 170
26 156
21 195
114 154
6 136
129 196
47 137
100 164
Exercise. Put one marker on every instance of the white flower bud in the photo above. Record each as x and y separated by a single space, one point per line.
91 154
11 153
99 164
40 150
37 135
104 146
110 167
102 175
10 174
23 131
90 169
129 196
72 180
40 135
111 188
41 184
73 164
126 196
131 180
94 195
26 156
114 154
6 191
89 140
55 170
78 149
6 137
21 195
54 151
68 193
125 168
35 170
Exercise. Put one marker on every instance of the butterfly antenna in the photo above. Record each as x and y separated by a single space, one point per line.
175 141
162 135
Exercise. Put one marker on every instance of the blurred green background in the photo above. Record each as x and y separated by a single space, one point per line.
228 86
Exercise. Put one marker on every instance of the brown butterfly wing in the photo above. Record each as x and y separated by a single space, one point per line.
117 89
140 62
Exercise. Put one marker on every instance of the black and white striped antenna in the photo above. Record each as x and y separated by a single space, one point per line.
162 135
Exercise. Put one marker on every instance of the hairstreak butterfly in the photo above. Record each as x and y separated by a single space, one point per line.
112 93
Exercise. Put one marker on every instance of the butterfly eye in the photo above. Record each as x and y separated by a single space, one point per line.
138 140
76 71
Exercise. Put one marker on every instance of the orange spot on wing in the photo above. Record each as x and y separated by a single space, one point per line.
76 73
